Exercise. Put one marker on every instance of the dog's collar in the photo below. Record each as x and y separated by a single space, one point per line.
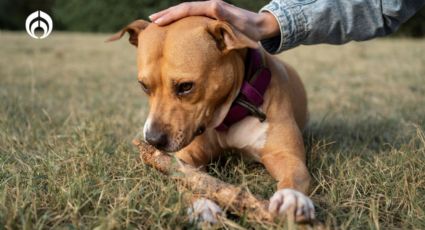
250 98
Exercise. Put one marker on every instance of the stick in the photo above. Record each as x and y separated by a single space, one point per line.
235 199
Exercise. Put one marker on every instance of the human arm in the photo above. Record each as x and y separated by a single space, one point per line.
284 24
311 22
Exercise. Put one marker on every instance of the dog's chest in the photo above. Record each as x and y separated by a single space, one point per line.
249 135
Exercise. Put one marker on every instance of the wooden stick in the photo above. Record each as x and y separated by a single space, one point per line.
235 199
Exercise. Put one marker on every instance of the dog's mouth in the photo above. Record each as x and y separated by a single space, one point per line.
178 143
182 144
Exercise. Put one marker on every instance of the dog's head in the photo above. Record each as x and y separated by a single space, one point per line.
191 71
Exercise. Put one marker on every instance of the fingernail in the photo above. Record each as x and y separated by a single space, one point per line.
158 21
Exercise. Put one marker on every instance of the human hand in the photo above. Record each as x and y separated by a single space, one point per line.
256 26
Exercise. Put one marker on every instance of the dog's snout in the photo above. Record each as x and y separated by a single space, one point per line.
157 138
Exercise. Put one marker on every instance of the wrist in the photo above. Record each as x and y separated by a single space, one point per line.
268 25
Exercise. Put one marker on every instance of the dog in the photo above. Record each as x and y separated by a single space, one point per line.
194 72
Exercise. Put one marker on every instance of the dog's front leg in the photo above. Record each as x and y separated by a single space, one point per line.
284 157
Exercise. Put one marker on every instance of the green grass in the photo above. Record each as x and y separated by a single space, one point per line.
70 106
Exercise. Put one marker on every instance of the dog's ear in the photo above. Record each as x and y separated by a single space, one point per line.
229 38
133 30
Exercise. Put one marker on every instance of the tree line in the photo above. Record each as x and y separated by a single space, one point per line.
111 15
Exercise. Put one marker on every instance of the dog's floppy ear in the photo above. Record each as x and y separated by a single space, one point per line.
229 38
133 30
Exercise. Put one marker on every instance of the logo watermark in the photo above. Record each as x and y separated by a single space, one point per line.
39 20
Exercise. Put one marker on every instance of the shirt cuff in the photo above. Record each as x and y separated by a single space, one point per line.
292 24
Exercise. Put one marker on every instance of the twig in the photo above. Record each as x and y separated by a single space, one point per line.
235 199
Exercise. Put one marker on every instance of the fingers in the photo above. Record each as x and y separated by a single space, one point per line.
253 25
182 10
155 16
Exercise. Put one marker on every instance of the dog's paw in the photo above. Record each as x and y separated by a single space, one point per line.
204 210
293 204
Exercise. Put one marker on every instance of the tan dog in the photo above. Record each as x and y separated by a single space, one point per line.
192 71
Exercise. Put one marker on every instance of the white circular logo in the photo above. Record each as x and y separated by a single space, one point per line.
39 20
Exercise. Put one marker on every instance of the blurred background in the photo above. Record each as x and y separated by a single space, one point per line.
111 15
70 105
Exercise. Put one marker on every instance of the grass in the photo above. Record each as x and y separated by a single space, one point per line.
70 106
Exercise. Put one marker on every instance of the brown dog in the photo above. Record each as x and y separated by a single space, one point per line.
192 71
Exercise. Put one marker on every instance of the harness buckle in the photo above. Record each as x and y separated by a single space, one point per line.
256 112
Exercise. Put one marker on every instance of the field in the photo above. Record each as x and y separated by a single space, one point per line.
70 106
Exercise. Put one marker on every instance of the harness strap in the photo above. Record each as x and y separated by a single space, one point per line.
252 94
256 80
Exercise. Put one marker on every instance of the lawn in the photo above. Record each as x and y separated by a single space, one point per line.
70 106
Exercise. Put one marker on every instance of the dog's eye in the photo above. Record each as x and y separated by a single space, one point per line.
184 88
144 87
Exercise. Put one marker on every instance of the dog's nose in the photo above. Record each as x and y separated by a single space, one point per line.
158 139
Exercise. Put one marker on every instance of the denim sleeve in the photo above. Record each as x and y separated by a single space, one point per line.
310 22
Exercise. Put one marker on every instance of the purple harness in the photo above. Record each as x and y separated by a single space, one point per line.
256 80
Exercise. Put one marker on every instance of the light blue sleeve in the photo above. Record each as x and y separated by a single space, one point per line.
310 22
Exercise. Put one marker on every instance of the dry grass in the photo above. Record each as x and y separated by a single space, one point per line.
70 106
